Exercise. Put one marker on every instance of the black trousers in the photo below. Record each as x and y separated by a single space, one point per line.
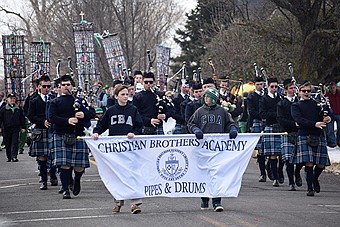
11 142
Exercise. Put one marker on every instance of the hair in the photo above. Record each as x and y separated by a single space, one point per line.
119 88
149 75
169 93
67 77
137 72
44 79
305 84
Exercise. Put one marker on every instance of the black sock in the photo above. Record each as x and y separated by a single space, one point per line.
70 176
290 172
298 168
317 172
309 177
273 166
64 178
53 171
43 170
77 175
262 164
280 170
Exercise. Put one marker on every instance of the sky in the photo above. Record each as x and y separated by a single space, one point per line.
187 5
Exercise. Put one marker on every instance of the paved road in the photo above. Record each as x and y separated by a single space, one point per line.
259 204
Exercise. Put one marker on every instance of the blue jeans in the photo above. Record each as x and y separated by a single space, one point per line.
331 138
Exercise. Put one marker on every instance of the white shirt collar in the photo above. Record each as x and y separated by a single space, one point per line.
272 95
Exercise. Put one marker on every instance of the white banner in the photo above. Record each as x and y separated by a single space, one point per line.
174 165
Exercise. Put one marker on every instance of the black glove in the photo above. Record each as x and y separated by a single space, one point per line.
198 133
233 132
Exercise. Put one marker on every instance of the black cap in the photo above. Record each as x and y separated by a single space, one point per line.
208 81
287 82
11 95
196 86
115 82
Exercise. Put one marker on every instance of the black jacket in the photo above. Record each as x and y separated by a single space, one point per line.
306 113
146 103
268 109
37 111
253 100
61 109
12 117
284 116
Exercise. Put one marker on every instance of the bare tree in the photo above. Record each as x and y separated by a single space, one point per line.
141 24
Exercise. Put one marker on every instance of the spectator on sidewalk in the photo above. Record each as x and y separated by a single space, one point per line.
334 101
2 103
12 116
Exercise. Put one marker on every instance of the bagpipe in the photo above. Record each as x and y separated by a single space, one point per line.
317 94
160 98
80 96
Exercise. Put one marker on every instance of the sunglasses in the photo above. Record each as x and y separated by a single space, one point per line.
148 82
46 86
273 86
304 91
65 85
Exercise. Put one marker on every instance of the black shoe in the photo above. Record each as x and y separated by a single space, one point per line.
269 172
9 160
43 186
15 160
316 185
61 190
292 187
281 180
54 181
66 195
310 193
76 188
298 180
331 145
276 183
263 178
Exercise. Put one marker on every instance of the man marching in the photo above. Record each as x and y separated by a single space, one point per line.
69 119
288 143
311 141
40 144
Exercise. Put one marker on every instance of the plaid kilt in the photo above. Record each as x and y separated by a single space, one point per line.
159 130
180 129
271 144
256 128
41 147
51 154
306 153
287 149
76 155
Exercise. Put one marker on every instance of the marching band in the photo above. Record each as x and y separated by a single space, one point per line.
136 105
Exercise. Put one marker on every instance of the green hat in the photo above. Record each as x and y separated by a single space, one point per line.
99 110
213 94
